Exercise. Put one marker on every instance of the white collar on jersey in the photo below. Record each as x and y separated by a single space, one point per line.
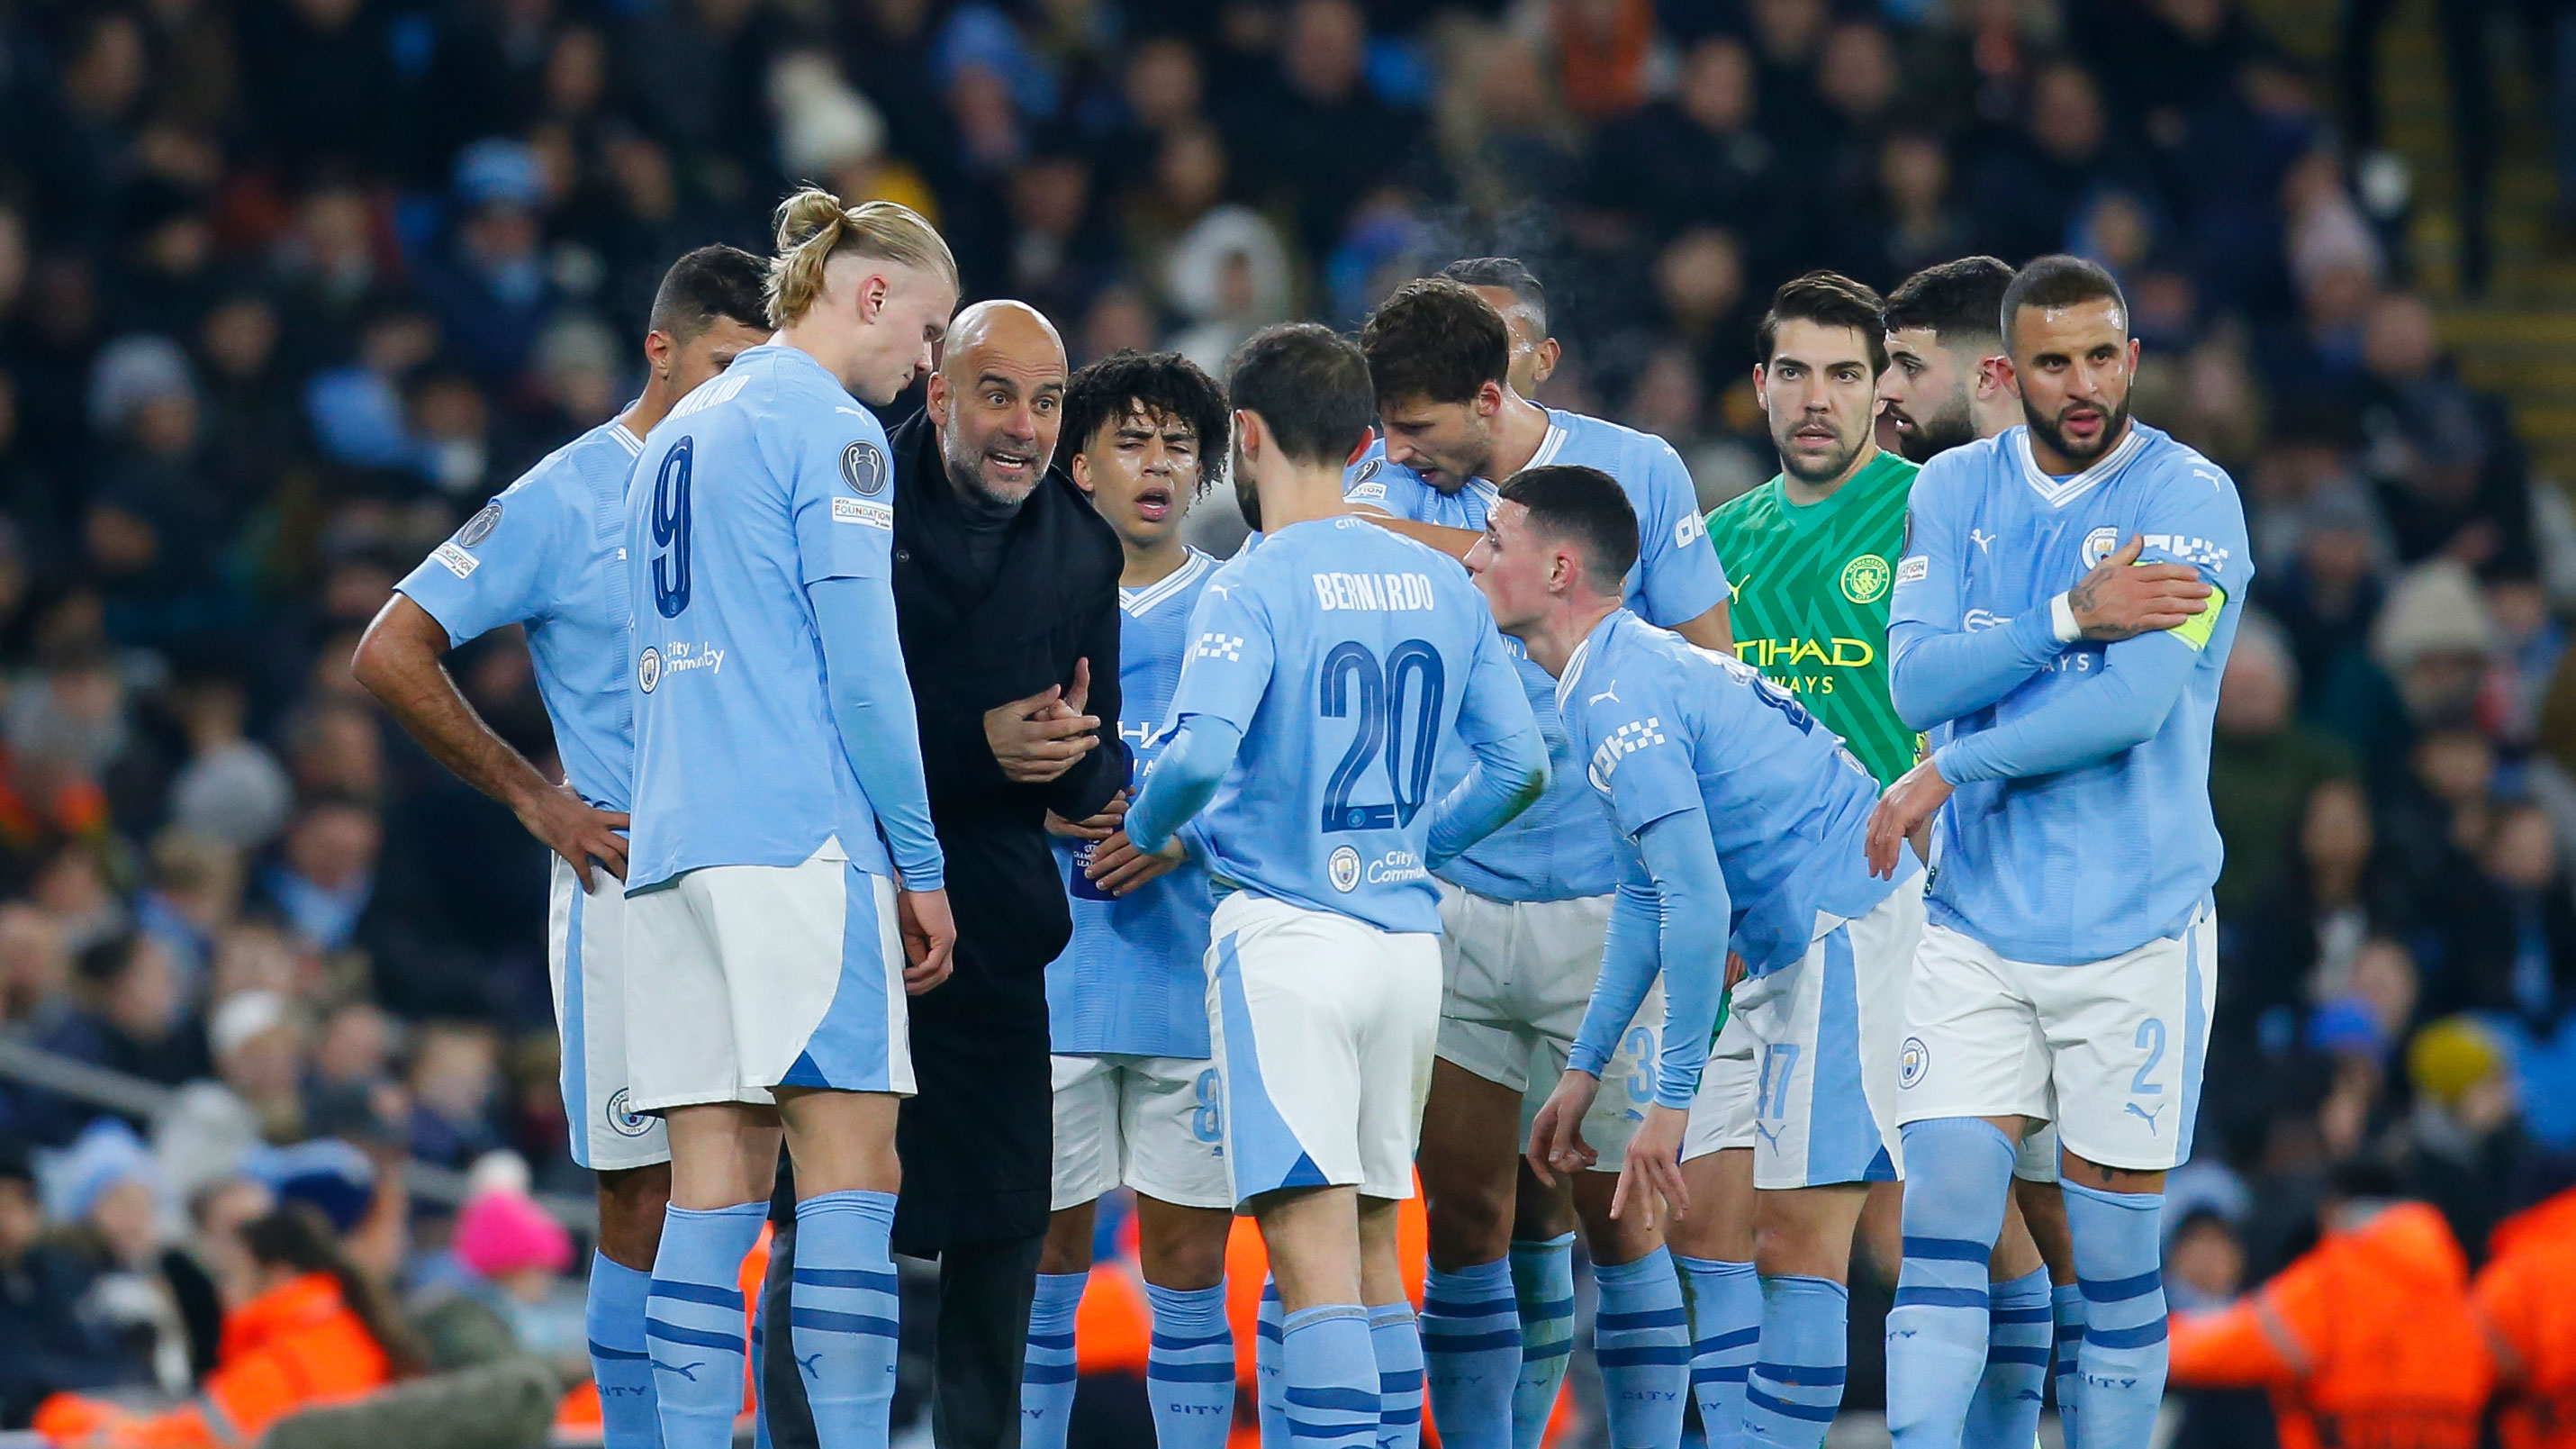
1548 448
2061 491
1142 601
626 438
1574 663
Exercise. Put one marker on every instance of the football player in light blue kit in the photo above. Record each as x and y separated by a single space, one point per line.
1523 913
548 553
1329 671
1136 1099
1743 818
2064 606
774 739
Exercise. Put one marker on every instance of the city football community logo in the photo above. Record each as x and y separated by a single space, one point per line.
1912 1061
480 526
864 469
625 1121
648 669
1343 865
1865 579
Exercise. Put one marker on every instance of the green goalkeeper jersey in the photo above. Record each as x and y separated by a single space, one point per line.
1810 605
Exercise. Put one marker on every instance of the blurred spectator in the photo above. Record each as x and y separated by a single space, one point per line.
131 1018
2462 1149
45 1344
2367 1339
520 1254
490 292
454 1080
192 892
2265 764
214 1125
2449 472
2509 932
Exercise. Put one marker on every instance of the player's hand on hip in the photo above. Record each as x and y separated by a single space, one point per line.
929 938
1907 804
1096 827
1556 1135
2122 598
577 830
1654 1166
1038 738
1119 867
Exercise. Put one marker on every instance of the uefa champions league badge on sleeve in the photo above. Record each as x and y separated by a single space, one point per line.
480 526
863 467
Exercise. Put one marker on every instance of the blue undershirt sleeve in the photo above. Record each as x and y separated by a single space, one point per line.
1937 675
872 703
2140 681
1696 912
1630 957
1507 777
1183 780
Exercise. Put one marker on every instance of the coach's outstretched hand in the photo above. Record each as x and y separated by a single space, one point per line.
929 938
1654 1166
1903 809
1038 738
1556 1135
580 832
2122 598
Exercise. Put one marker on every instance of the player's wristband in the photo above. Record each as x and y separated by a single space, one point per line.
2061 615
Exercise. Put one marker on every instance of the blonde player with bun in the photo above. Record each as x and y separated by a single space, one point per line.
773 935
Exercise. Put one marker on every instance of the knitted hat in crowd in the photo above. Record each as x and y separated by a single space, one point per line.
502 1232
325 1174
2451 1056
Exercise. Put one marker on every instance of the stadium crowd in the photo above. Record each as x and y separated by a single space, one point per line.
289 287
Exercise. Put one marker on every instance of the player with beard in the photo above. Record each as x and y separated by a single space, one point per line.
1945 351
1948 382
1795 1115
2067 967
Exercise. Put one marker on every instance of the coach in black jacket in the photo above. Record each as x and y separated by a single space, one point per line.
1006 592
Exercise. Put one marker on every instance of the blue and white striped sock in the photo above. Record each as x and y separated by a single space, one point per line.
1642 1341
2005 1412
1543 1281
2118 1260
1959 1170
1327 1357
693 1321
1797 1382
1726 1328
619 1361
1471 1352
1189 1371
2068 1300
847 1310
1269 1374
1048 1369
1397 1341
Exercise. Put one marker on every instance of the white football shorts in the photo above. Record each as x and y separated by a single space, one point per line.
1821 1108
1156 1124
1322 1029
2110 1051
1721 1114
1515 979
586 957
741 978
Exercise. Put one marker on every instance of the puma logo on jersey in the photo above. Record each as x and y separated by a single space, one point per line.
1611 694
1984 541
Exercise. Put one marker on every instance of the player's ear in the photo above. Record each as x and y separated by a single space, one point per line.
1543 361
1996 378
658 348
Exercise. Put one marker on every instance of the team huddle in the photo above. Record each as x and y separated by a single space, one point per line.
1683 883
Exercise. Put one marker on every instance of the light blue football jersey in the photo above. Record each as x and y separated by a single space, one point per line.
549 552
2085 863
1561 848
1134 978
1661 725
763 481
1354 661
